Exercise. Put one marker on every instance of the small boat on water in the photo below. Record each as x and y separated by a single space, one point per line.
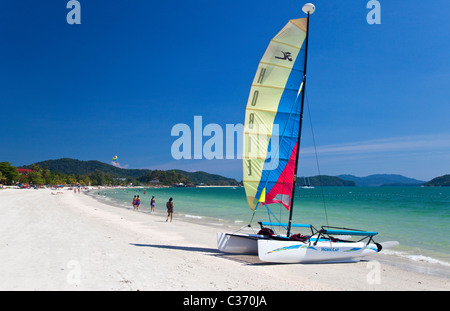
307 184
271 138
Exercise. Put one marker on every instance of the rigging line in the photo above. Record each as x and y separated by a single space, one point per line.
249 225
241 228
317 159
269 212
251 220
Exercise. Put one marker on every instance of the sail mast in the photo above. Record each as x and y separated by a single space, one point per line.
308 9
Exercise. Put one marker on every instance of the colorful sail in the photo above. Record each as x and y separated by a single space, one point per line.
272 119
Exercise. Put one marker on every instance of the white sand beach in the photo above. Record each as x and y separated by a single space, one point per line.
75 242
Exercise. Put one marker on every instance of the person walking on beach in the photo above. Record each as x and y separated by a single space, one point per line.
169 206
138 202
134 202
152 204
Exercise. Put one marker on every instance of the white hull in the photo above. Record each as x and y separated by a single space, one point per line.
326 251
238 243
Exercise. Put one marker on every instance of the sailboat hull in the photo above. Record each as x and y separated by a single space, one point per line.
238 243
322 252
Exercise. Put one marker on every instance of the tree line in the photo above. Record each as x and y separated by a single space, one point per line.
43 176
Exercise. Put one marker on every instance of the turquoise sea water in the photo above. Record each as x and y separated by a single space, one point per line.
419 218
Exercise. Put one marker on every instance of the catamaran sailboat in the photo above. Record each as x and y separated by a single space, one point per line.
272 131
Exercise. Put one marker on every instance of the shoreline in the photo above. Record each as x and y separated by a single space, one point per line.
75 242
196 219
411 258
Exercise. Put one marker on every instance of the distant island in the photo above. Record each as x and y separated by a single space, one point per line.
76 172
376 180
442 181
383 180
324 181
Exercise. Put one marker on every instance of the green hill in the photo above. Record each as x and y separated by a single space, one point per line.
164 178
441 181
325 181
208 179
378 180
77 167
103 173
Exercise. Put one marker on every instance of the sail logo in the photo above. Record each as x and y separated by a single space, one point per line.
262 142
286 55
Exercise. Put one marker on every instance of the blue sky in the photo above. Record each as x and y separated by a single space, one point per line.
117 83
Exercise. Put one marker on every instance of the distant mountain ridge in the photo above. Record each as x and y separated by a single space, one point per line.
325 181
77 167
379 180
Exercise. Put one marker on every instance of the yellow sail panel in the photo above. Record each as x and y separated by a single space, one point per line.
270 83
262 198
